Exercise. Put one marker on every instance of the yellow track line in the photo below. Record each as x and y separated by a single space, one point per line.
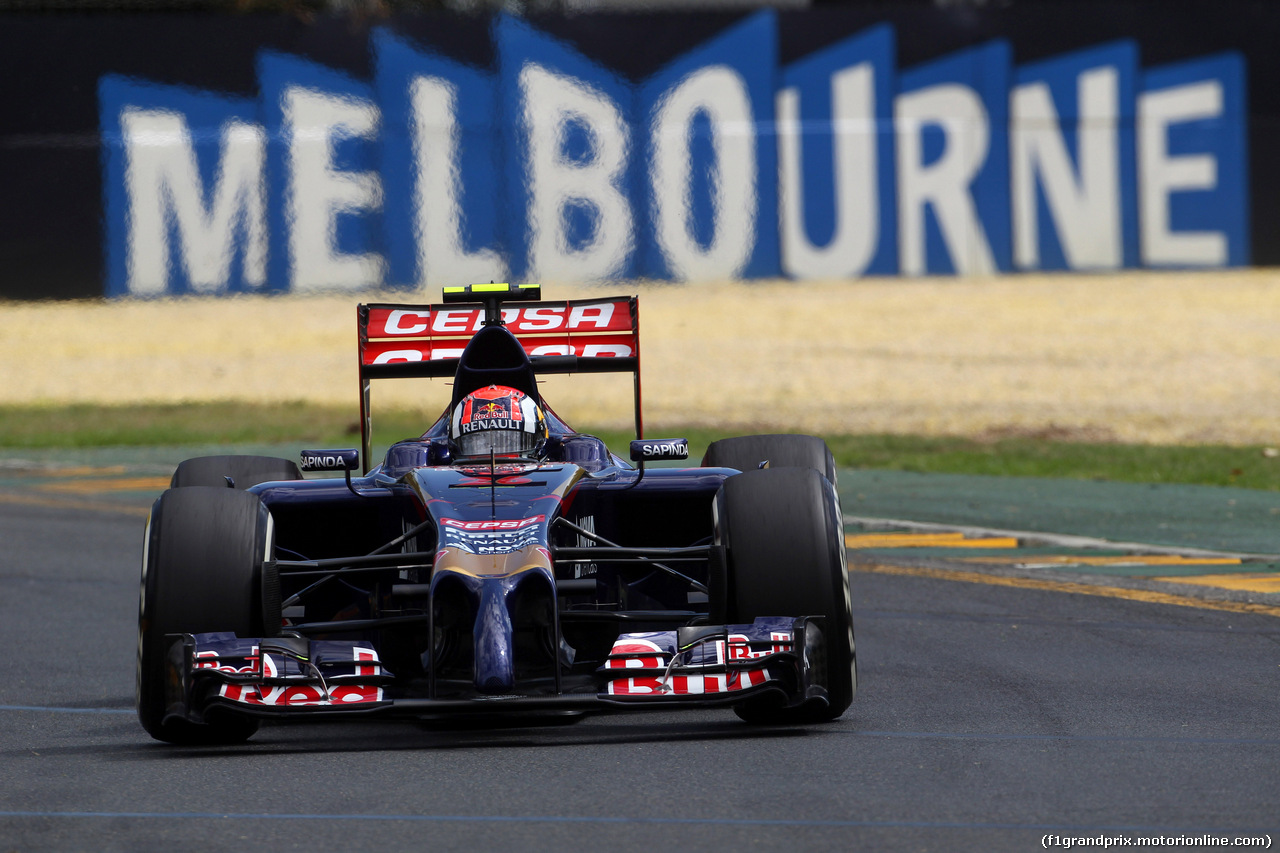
925 540
1250 582
1048 561
1077 588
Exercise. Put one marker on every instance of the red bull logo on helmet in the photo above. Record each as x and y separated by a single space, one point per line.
495 408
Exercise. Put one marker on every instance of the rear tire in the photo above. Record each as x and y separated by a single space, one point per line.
783 540
746 453
244 471
202 571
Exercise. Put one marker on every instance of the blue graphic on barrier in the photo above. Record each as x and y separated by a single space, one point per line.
719 165
1193 148
325 196
1074 174
836 156
569 155
953 164
711 205
440 167
184 190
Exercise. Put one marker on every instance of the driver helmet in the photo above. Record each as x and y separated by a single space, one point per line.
496 420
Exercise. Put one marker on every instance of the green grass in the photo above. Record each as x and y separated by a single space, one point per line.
185 423
333 426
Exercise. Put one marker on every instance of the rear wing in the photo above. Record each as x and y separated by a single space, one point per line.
425 341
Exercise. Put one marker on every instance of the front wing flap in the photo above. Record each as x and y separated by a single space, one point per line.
714 662
272 674
691 666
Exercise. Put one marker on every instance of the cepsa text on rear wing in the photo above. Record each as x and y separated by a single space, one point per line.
599 335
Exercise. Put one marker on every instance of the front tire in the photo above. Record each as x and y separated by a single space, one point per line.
783 541
749 452
202 571
237 472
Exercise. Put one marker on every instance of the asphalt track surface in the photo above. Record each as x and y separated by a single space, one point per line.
988 717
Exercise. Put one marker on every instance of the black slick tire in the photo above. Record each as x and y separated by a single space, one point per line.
748 452
202 571
783 541
242 471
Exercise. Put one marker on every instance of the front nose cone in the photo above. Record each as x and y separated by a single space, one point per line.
494 667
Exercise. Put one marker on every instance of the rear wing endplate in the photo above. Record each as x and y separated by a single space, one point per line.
425 341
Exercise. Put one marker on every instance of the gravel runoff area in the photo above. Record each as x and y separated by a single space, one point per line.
1176 357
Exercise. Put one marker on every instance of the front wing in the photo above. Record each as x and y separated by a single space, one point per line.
692 666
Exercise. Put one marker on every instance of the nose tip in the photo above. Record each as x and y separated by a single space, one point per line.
494 667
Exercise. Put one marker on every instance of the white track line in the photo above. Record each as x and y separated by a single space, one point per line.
1057 540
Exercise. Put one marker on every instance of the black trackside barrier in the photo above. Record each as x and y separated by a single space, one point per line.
66 214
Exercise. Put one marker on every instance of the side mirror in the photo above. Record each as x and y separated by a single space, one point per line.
330 460
653 449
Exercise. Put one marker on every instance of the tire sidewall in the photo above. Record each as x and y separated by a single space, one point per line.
782 536
201 572
241 471
747 452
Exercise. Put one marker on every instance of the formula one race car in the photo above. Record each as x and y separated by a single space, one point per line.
501 567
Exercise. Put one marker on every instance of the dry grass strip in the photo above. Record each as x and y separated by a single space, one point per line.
1149 357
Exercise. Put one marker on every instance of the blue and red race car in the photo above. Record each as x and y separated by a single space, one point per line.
501 565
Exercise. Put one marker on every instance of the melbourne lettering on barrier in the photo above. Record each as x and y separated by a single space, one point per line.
737 157
966 164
